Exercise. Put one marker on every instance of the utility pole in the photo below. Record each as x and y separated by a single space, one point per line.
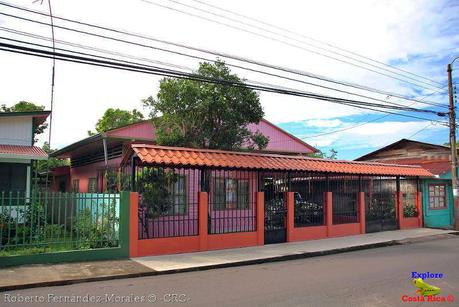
452 143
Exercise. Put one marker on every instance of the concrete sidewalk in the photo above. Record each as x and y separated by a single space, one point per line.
275 252
29 276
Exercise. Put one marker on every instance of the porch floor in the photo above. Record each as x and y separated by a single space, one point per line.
281 251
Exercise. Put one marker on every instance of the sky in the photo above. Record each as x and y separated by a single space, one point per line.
417 36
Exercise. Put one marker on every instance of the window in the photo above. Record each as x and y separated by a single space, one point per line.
437 196
177 192
13 177
92 185
76 185
231 193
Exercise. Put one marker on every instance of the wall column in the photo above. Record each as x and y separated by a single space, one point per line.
260 197
361 202
203 219
399 208
133 224
290 206
329 213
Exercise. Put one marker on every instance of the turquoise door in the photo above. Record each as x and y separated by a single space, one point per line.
437 201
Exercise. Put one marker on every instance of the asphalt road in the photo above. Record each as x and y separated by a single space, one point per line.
376 277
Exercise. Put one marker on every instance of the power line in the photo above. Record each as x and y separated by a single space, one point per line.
306 74
177 74
419 131
311 39
288 43
300 41
359 124
187 68
71 44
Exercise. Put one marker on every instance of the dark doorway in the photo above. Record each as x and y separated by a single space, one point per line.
275 210
380 205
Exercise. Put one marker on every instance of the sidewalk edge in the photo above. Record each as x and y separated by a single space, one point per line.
227 265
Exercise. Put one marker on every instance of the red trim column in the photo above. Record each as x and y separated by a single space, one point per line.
203 216
399 208
361 199
133 224
260 197
290 206
329 207
419 207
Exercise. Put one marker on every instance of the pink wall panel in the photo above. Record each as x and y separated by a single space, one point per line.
142 130
279 140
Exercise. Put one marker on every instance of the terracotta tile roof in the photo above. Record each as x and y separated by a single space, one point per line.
177 156
435 166
27 152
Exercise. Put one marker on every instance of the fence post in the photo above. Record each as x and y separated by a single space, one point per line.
124 224
419 207
203 222
290 205
329 215
399 209
134 224
361 198
260 197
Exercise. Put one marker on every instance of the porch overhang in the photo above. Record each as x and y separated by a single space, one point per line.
191 157
22 152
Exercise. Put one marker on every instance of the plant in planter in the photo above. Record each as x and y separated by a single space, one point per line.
154 186
409 210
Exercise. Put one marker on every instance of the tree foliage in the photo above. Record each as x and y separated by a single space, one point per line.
332 154
26 106
115 118
204 115
42 166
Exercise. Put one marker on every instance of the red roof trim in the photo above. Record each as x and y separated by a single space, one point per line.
179 156
25 151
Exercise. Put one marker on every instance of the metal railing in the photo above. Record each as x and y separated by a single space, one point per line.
232 203
168 204
55 221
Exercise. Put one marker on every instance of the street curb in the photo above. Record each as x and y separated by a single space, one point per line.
228 265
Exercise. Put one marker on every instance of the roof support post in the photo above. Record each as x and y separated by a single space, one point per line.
104 142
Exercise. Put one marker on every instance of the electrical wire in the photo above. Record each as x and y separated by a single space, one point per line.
176 74
9 30
289 44
306 74
311 39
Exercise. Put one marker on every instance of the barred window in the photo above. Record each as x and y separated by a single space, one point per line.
76 185
177 192
437 196
92 185
231 193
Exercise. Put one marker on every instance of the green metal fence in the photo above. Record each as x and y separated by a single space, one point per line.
45 222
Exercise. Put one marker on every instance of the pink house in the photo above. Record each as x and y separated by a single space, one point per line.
93 156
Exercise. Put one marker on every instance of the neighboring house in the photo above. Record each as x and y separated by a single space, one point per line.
437 193
17 150
95 161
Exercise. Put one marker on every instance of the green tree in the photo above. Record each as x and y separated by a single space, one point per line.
42 166
204 115
25 106
332 154
114 118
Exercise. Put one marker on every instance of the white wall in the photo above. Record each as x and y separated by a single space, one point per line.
16 130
